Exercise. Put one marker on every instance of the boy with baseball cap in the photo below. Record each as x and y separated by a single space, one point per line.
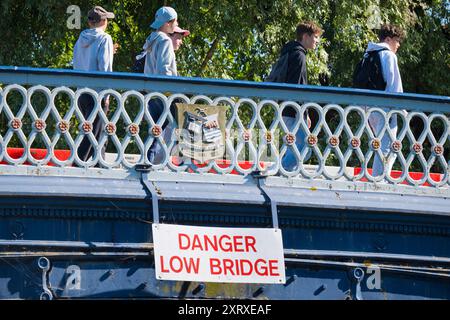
160 60
177 37
93 51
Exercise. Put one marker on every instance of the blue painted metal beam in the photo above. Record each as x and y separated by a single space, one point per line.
216 87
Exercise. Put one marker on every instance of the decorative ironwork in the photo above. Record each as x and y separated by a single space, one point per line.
133 129
63 126
417 147
246 136
237 132
355 143
438 150
39 125
396 146
110 128
312 140
86 127
15 124
202 131
268 136
156 131
376 144
290 139
333 141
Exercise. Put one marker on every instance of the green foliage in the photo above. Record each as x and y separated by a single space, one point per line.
242 39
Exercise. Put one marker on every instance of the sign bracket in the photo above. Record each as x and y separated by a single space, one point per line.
144 169
273 204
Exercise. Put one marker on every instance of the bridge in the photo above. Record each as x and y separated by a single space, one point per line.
83 229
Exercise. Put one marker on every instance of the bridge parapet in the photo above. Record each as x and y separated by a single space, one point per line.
40 115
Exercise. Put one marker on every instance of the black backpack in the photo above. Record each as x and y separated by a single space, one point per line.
368 72
139 64
279 70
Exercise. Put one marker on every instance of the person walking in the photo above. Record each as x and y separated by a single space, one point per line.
94 51
160 60
293 56
389 80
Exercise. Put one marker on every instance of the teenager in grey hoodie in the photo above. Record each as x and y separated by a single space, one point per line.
160 60
93 51
390 38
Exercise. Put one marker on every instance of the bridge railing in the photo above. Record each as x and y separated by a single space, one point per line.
39 110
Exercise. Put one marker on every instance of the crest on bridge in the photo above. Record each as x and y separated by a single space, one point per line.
201 131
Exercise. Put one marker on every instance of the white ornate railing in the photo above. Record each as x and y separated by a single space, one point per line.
339 142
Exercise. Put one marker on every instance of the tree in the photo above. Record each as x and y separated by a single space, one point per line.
242 39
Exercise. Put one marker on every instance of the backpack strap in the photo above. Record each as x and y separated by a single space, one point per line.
376 51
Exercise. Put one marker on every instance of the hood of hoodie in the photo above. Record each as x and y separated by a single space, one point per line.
153 38
89 36
293 46
372 46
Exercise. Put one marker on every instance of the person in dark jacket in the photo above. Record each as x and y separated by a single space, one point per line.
308 36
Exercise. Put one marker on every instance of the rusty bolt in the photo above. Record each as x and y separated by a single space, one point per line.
246 136
312 140
290 138
438 150
334 141
15 123
39 125
376 144
156 131
355 142
87 127
417 147
63 126
110 128
396 146
133 129
268 136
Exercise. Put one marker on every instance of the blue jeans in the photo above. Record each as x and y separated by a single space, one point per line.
376 121
156 109
289 162
86 150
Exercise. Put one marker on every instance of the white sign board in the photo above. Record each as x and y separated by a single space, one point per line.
237 255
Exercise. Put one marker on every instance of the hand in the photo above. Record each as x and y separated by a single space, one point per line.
211 124
116 46
106 104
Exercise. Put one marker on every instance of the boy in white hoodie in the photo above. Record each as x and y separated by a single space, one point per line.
390 38
93 51
160 60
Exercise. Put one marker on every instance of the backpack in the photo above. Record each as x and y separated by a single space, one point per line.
368 72
139 63
279 70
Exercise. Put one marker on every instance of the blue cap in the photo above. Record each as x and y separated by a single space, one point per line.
163 15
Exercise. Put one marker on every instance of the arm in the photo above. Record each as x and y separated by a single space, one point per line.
166 59
297 68
105 60
391 72
105 55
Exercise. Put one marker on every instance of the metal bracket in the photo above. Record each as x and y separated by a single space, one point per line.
144 169
273 204
358 273
44 265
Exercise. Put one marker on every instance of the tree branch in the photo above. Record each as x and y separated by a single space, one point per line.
208 56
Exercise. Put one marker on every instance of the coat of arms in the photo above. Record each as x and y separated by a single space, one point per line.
201 131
